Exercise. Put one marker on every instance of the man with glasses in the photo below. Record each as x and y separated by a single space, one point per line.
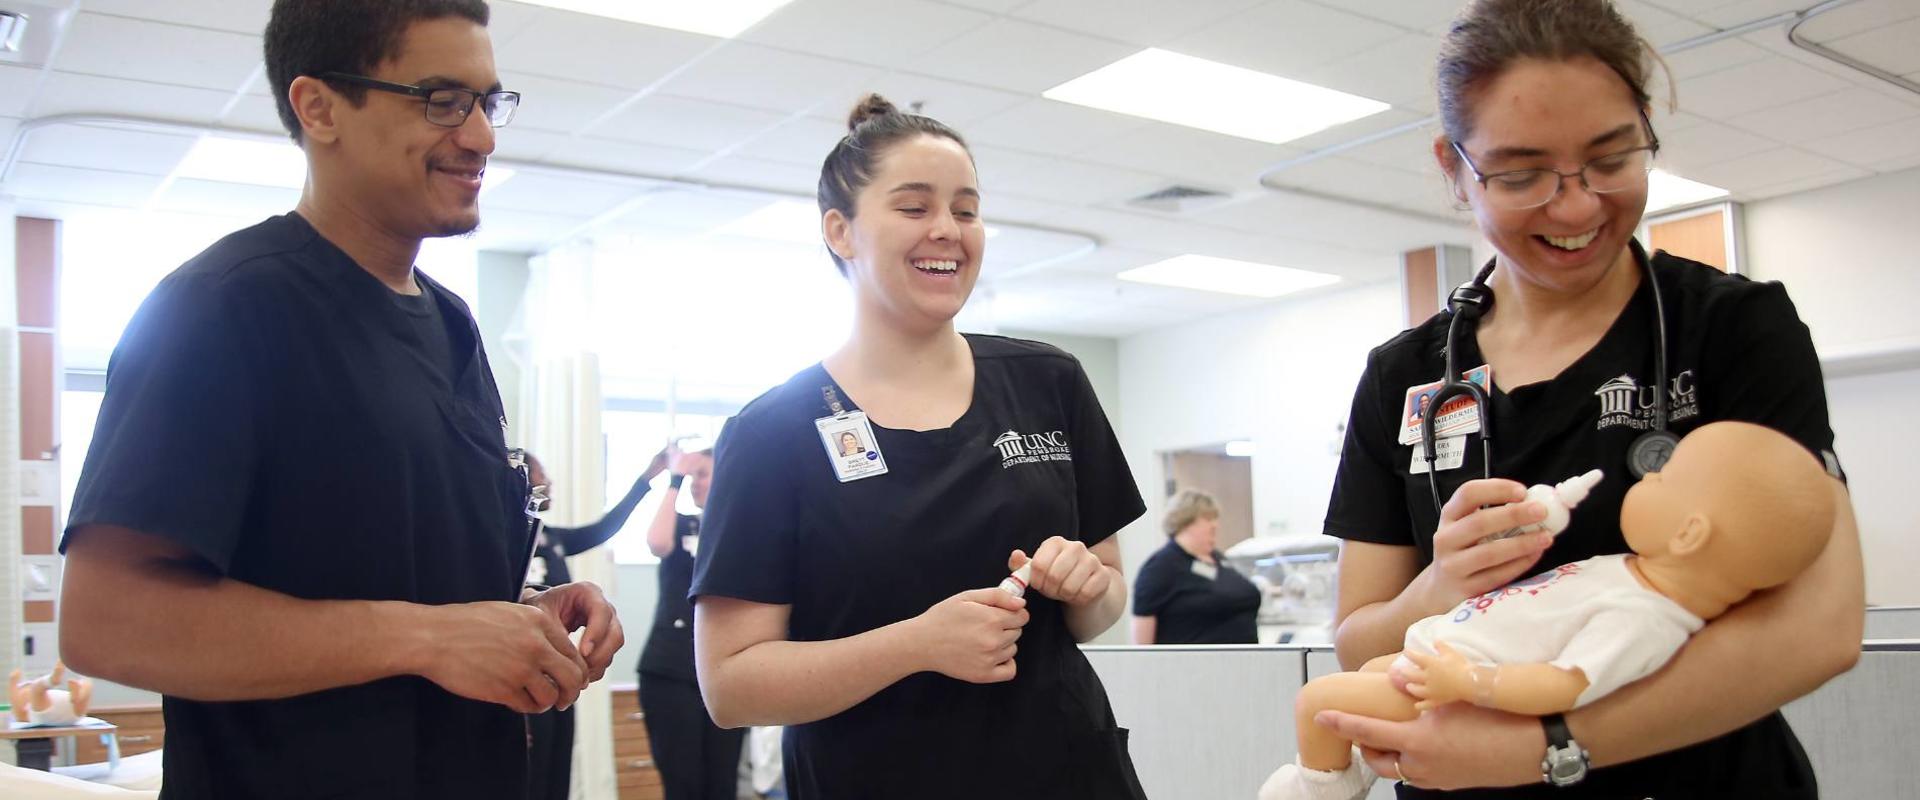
299 520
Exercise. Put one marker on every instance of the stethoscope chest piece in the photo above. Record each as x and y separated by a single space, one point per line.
1650 451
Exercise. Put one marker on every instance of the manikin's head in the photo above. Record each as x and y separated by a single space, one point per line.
1739 508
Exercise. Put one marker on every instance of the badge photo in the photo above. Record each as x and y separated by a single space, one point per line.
851 448
1457 415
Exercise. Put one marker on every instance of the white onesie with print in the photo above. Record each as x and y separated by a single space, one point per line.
1591 615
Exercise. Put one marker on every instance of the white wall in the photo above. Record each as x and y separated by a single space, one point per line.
1280 375
1847 255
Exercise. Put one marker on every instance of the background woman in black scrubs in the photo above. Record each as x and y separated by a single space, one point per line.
1526 86
852 599
550 733
1185 593
697 759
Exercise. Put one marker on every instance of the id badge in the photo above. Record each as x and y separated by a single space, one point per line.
691 544
1458 415
1205 570
1449 453
851 448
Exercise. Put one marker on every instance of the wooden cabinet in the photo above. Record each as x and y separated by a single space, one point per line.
141 730
632 754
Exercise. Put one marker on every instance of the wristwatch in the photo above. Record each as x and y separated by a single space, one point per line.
1566 761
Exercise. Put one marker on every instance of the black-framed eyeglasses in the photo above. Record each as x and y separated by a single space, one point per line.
447 106
1521 189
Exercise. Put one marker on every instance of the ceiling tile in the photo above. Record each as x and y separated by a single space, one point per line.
565 195
956 104
1058 180
1365 126
1828 115
1227 163
238 16
1767 83
66 93
881 32
801 140
990 6
225 199
1873 148
510 19
527 144
560 105
590 152
1148 23
1709 143
1288 38
1856 18
16 89
752 173
687 123
1710 58
1805 184
1021 56
1399 72
607 52
115 149
1409 152
1891 48
88 186
7 126
1658 25
1767 168
1053 127
750 75
255 113
119 47
1412 15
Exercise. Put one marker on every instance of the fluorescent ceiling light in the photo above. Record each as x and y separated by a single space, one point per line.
1209 274
780 221
249 161
1240 449
1666 190
722 18
1169 87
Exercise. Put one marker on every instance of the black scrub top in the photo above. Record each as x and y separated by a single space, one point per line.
273 410
669 650
1033 457
1736 351
1204 604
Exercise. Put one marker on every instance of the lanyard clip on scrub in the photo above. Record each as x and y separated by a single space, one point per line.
848 438
536 501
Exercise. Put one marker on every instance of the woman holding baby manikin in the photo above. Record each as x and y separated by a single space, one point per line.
1583 343
864 513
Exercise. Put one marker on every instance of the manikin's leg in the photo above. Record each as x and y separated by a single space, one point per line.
81 691
1327 769
1369 694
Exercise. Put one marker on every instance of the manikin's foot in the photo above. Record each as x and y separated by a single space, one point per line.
1294 782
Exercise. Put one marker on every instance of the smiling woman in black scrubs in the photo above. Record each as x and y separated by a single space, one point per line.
1184 595
852 596
1585 331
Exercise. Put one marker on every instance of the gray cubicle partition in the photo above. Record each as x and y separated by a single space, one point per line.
1209 723
1893 622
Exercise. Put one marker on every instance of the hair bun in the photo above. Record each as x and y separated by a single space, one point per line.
873 105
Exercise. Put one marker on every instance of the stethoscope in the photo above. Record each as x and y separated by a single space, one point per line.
1467 304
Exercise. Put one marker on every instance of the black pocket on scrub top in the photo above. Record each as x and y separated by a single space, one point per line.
1104 768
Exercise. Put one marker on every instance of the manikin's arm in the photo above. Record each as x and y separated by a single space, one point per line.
1533 689
1821 613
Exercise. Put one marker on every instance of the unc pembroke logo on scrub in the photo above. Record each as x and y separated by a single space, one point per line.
1623 401
1032 448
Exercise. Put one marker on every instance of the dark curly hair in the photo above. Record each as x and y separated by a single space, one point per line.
312 37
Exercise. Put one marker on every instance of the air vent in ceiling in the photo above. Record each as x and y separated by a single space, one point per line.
28 31
1178 199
